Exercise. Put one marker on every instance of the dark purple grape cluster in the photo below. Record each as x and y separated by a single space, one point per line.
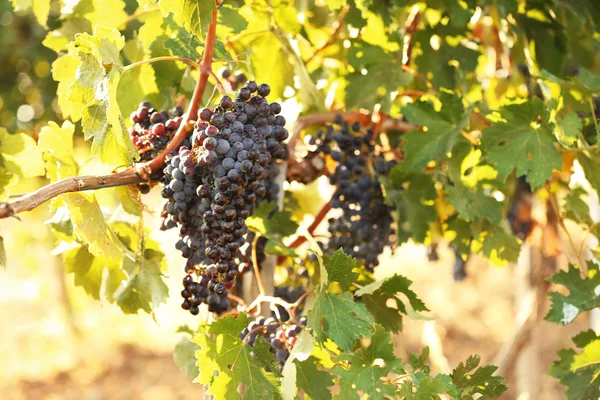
213 184
152 129
282 336
364 227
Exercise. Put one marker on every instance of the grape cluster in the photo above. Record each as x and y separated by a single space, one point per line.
213 184
364 227
280 335
152 129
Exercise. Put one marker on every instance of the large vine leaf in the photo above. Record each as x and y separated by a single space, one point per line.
524 143
473 205
377 294
40 8
91 227
359 371
339 268
194 15
56 144
582 294
144 288
88 78
19 157
183 355
470 379
339 318
313 381
443 130
225 362
88 270
413 195
580 371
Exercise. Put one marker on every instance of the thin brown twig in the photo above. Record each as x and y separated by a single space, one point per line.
337 25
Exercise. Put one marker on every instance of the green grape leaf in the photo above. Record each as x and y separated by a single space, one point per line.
313 381
582 294
579 371
575 208
144 288
88 78
425 387
59 39
225 362
229 21
56 144
339 268
127 200
569 129
105 13
300 352
359 371
377 74
268 221
499 246
277 248
470 380
267 53
61 224
589 80
473 205
590 165
40 9
184 358
194 15
2 253
339 318
91 227
443 130
524 143
183 43
377 294
413 195
88 269
446 65
20 155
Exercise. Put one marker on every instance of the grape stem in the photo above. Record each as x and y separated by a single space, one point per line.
277 301
140 172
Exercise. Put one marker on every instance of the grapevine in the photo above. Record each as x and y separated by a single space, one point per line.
299 159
